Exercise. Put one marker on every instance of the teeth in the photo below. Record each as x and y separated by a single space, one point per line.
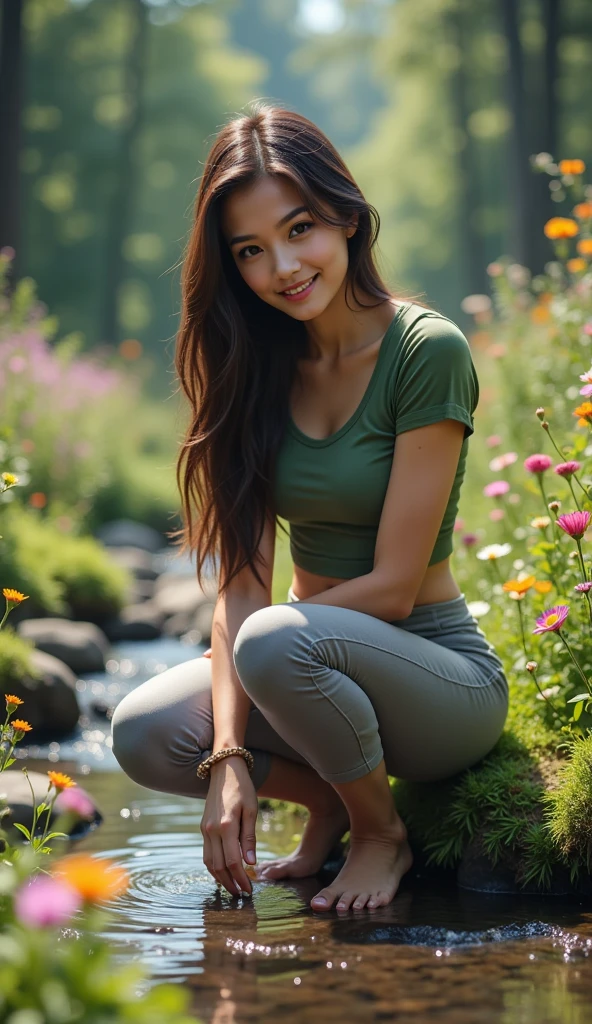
294 291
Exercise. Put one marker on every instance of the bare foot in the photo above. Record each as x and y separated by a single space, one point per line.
371 874
321 833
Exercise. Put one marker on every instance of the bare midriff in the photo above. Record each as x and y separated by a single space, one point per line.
437 585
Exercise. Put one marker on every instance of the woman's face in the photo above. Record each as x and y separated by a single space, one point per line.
276 244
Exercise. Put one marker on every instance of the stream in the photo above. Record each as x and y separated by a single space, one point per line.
436 953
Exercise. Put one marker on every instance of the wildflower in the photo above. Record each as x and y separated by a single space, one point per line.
540 522
584 247
554 506
561 227
43 902
588 327
538 463
478 608
543 586
469 539
60 781
20 725
496 488
583 588
92 877
14 596
583 211
572 166
493 440
587 378
519 586
12 702
584 411
493 551
38 499
502 461
552 620
567 469
574 523
495 269
577 265
75 800
540 412
496 515
10 479
531 666
475 304
458 524
549 691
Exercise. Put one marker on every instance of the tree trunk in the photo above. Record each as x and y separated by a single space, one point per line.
121 208
519 173
11 61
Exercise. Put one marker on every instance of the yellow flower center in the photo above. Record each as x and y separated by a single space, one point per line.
551 619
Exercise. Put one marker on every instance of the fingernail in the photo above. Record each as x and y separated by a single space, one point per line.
250 857
320 899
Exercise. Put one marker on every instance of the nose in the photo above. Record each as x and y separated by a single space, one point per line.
286 265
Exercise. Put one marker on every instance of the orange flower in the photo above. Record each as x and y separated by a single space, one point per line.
60 781
572 166
584 247
17 723
38 499
540 314
519 586
561 227
543 586
14 596
576 265
584 411
94 878
12 701
583 211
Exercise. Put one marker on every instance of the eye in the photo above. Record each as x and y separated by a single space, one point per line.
301 224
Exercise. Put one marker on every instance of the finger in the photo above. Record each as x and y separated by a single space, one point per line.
234 862
207 853
248 840
221 872
208 653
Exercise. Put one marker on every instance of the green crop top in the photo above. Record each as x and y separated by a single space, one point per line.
331 490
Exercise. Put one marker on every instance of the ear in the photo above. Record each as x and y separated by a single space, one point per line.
351 230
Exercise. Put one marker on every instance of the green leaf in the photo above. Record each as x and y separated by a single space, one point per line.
54 835
22 829
580 696
578 710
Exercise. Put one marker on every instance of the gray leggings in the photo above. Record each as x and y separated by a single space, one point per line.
333 688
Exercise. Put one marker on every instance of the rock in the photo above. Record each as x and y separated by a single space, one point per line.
50 703
81 645
15 792
136 560
142 621
476 872
140 590
125 533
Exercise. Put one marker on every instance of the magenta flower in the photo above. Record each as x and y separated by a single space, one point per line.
75 800
502 461
574 523
538 463
493 441
583 588
552 620
496 488
567 469
458 524
497 514
45 901
469 539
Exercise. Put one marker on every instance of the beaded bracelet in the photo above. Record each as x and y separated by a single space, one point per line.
203 768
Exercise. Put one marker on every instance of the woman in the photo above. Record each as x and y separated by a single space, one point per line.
301 370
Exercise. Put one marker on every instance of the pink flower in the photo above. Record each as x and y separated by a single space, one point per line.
493 441
583 588
574 523
75 800
552 620
458 525
586 390
588 327
538 463
45 901
496 488
469 539
496 514
501 461
567 468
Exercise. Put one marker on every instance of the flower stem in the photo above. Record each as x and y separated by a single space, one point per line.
576 662
548 699
574 494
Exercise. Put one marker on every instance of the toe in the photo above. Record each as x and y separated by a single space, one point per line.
323 900
361 900
380 899
345 900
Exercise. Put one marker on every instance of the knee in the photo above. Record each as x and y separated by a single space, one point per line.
264 642
131 741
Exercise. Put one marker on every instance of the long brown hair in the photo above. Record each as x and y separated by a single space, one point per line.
235 354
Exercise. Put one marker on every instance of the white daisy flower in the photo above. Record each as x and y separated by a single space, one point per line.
491 551
478 608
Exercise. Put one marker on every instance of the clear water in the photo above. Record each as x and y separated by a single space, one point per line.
435 954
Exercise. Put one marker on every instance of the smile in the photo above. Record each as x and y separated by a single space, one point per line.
301 290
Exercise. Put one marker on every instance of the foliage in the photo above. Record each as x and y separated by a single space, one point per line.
569 807
16 663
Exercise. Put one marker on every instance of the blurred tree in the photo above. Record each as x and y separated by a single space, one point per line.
11 58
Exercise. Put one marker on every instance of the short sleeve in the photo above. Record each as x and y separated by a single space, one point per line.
437 379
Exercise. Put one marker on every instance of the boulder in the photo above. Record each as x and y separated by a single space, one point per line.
50 702
136 560
142 621
81 645
125 533
16 794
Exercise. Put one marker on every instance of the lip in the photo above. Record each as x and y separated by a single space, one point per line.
303 294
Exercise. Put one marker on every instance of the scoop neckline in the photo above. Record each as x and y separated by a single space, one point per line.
321 442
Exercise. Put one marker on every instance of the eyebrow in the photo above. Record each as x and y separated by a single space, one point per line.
280 223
